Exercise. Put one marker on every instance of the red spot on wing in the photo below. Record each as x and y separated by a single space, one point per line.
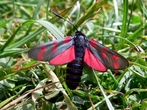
115 57
93 43
115 63
54 49
104 50
93 62
67 39
43 48
64 57
40 55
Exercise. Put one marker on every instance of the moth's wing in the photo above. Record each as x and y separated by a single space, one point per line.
57 52
102 58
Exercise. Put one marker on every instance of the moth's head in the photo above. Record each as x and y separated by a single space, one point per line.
79 39
79 33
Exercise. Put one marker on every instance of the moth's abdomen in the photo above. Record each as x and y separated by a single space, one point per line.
74 73
75 67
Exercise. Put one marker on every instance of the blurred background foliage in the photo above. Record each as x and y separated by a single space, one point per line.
26 84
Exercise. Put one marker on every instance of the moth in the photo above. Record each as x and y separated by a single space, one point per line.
75 51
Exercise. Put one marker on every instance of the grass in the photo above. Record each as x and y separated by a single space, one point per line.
29 84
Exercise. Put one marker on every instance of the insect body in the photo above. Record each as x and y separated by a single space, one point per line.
76 50
75 67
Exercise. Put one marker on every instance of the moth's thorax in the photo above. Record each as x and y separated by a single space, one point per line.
79 39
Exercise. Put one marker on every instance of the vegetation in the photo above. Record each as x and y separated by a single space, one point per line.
26 84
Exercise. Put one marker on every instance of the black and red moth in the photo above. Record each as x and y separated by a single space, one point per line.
76 50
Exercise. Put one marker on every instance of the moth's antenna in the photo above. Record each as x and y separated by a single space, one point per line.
64 19
85 23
